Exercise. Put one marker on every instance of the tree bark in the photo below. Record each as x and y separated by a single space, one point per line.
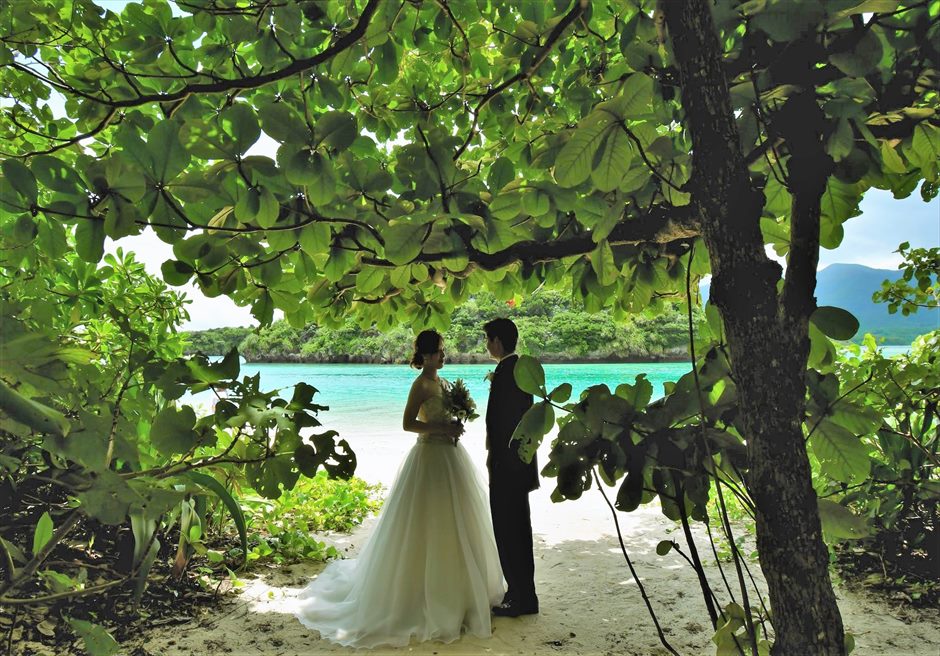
768 341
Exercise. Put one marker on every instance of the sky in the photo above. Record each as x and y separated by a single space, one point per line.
870 239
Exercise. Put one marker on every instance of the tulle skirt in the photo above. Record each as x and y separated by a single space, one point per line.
430 569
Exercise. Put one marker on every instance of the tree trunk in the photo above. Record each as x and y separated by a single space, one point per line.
768 341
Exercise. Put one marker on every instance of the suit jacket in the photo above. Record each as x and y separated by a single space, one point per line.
507 404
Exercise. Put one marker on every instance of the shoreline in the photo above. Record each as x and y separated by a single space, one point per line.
465 359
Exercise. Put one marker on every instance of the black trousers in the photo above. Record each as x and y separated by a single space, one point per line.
512 525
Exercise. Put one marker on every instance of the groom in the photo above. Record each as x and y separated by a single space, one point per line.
511 479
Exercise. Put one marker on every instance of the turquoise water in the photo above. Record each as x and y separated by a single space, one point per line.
374 395
366 401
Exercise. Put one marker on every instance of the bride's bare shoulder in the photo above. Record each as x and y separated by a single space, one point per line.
423 386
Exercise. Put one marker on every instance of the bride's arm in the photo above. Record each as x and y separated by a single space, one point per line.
419 394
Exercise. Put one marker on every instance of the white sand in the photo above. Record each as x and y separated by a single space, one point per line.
589 601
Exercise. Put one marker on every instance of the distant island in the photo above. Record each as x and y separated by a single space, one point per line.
549 324
555 327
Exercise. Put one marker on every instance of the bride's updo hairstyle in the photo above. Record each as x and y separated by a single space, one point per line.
426 343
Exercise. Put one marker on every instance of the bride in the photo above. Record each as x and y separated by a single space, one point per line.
430 569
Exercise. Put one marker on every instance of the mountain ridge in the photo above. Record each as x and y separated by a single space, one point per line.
850 286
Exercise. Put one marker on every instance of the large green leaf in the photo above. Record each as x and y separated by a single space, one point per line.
926 143
42 533
835 322
167 153
337 129
602 261
634 100
530 376
89 240
403 240
97 640
37 416
612 161
841 454
861 59
575 161
534 425
281 122
502 172
241 123
230 503
21 178
840 523
172 430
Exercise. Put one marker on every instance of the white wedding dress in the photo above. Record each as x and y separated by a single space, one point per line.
429 571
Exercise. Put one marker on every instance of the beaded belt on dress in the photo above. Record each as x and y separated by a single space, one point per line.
436 439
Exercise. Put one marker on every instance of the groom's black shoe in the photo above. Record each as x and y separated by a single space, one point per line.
515 609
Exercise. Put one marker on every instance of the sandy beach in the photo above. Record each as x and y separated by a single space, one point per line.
590 603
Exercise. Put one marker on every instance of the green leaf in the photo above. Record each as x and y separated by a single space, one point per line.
840 523
842 140
281 122
561 393
403 240
268 209
630 493
664 547
535 202
172 430
507 205
37 416
230 503
22 179
386 59
534 425
369 279
167 153
321 183
337 129
98 642
637 395
241 122
842 456
56 174
339 263
778 20
891 159
613 161
602 261
108 499
862 59
835 322
176 272
634 101
530 376
89 240
42 533
502 172
315 238
926 144
146 549
575 161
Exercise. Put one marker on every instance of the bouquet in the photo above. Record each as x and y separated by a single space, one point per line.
458 403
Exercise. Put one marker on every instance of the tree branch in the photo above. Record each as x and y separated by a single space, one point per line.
579 7
245 82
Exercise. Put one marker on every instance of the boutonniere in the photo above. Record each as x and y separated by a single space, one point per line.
489 376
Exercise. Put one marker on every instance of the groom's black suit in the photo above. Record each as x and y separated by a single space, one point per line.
511 480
